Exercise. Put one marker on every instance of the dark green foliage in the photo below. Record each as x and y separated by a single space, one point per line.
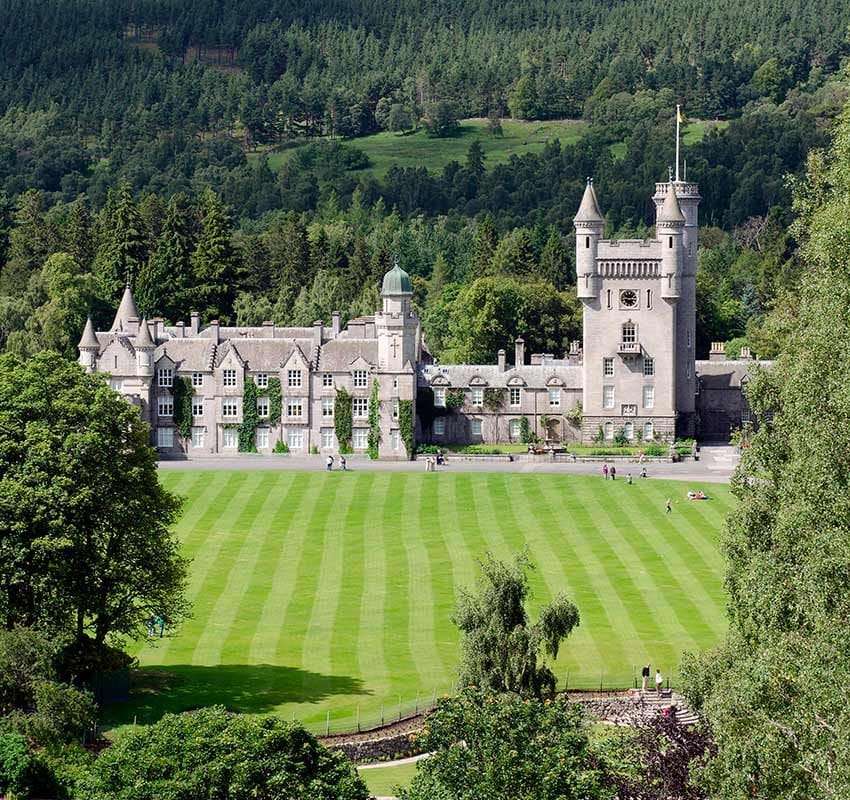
124 245
406 425
183 392
524 430
214 261
211 754
374 438
494 399
15 763
501 746
342 419
250 418
275 401
455 398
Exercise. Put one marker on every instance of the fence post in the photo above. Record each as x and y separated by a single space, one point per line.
417 702
634 677
382 715
600 680
328 724
358 719
399 708
567 682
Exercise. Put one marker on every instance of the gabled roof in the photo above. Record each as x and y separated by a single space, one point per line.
589 211
340 354
126 311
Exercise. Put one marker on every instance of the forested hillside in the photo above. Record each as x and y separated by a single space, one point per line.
134 139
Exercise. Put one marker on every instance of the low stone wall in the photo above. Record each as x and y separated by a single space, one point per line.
390 748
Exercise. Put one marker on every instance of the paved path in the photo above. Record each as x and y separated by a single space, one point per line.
716 465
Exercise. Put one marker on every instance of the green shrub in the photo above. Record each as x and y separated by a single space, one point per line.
524 430
15 763
620 438
655 450
281 447
314 450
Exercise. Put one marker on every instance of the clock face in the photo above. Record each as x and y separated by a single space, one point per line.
628 298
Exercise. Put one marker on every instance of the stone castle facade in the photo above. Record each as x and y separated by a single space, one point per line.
634 373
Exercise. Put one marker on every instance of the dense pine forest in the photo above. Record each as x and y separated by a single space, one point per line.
135 140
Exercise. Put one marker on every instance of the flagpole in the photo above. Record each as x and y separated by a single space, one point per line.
678 117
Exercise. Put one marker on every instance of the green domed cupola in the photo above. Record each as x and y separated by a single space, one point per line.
396 282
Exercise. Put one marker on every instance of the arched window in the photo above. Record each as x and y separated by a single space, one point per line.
648 431
629 430
609 430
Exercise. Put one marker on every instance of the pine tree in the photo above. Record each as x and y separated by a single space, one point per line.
30 242
124 247
78 235
515 254
214 261
484 244
439 279
556 266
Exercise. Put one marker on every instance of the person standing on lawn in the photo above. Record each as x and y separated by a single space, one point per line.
613 471
644 677
605 471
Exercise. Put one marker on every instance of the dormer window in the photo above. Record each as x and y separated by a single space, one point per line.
165 377
361 378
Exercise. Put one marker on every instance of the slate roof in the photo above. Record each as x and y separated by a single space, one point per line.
268 354
460 375
339 354
589 211
126 311
725 374
188 354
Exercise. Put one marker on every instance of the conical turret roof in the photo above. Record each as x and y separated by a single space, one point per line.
126 311
589 211
670 210
143 337
89 340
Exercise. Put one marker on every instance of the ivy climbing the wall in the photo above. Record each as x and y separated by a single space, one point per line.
405 424
250 418
182 392
374 421
275 401
342 419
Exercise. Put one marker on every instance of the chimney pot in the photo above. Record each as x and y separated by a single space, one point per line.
501 360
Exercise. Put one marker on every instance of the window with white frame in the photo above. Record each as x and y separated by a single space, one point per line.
262 380
359 407
514 429
608 396
228 377
629 430
475 427
165 377
648 431
229 408
327 406
116 384
293 378
230 438
361 378
360 438
294 407
649 397
395 408
165 437
395 440
477 396
198 380
609 431
261 438
649 367
199 436
440 398
554 398
629 333
439 426
327 380
197 406
165 406
327 437
608 367
262 406
515 396
295 438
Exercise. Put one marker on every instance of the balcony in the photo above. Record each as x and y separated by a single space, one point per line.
629 349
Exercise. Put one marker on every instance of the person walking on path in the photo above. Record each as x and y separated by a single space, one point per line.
605 471
640 458
659 681
669 507
613 473
160 623
342 464
330 463
151 625
644 677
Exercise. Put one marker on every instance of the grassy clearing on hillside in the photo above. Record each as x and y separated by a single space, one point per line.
317 592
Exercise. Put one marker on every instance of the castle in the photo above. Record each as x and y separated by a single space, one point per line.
634 373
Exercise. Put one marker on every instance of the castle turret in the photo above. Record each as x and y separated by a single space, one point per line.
144 346
670 224
127 315
589 225
89 347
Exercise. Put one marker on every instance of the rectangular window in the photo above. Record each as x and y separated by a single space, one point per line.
360 438
165 377
439 426
648 396
555 398
199 437
361 378
475 427
514 429
165 406
609 431
515 396
327 437
395 440
440 398
262 406
360 407
629 430
649 367
395 408
477 396
327 380
293 378
116 384
293 407
262 380
629 333
648 431
229 438
198 380
295 438
261 438
327 406
608 297
607 367
197 406
608 396
165 437
228 377
649 298
229 408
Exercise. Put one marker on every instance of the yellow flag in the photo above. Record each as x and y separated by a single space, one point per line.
679 116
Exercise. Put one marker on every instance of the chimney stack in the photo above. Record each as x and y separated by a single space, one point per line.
335 328
318 332
195 323
501 359
745 354
519 353
181 329
718 351
215 332
268 329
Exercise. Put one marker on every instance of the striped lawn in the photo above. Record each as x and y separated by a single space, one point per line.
317 593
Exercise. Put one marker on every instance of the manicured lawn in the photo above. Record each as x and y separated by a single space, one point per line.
318 592
382 781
